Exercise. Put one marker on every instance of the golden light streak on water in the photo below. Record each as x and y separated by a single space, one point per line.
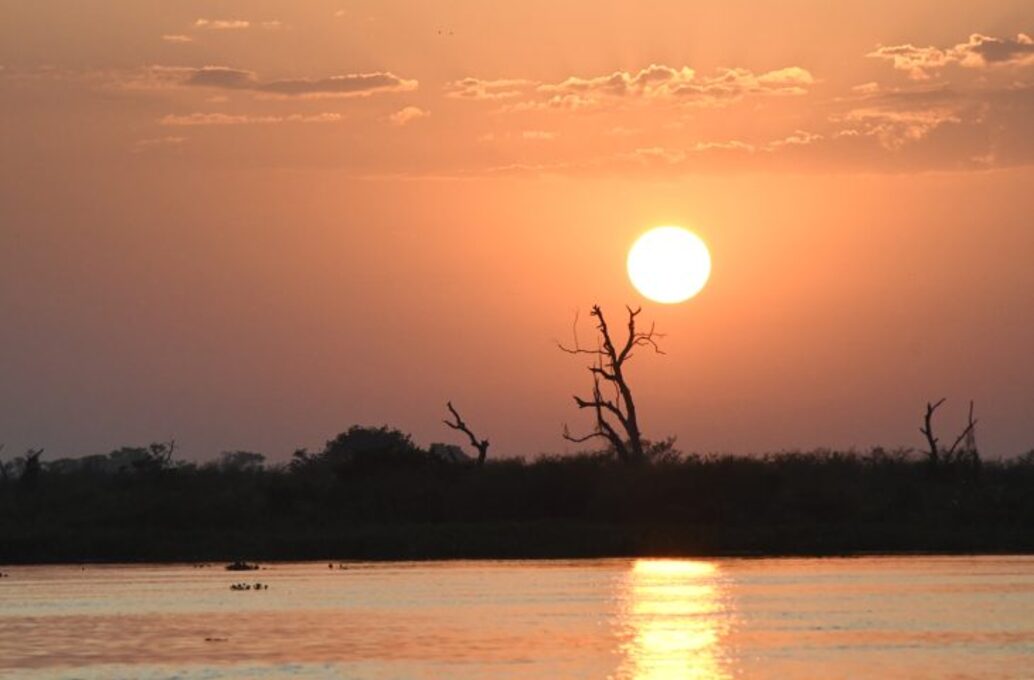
676 612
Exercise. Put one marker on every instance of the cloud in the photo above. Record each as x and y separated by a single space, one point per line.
222 77
653 155
195 119
177 38
660 82
478 89
651 81
354 84
155 77
222 24
947 125
538 135
346 85
407 115
159 77
796 138
895 128
980 51
236 24
727 145
659 156
918 62
143 145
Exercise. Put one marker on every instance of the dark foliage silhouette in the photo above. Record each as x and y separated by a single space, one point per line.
372 493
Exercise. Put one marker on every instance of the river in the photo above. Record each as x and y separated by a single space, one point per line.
878 617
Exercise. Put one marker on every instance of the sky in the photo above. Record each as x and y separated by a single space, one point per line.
250 225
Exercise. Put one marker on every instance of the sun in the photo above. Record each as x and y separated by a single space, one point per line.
669 264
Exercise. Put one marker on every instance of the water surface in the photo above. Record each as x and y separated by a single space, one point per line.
888 617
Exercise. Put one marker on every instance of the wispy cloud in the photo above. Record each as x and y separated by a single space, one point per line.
538 135
980 51
487 90
657 82
894 128
222 24
194 119
143 145
353 84
177 38
407 115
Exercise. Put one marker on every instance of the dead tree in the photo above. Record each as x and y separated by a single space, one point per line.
616 417
480 444
935 455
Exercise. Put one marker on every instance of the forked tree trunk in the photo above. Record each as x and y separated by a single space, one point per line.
617 420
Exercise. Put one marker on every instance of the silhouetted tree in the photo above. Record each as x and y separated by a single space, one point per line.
938 457
142 459
31 468
662 452
480 444
301 459
240 461
371 448
616 417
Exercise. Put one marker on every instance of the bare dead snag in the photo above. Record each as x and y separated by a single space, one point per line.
480 444
933 455
953 454
616 418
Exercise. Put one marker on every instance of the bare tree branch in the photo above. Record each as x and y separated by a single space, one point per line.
953 454
965 433
927 430
480 444
578 440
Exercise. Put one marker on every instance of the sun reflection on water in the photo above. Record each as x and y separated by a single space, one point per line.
675 616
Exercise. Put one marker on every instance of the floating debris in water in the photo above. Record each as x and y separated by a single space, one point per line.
240 565
249 586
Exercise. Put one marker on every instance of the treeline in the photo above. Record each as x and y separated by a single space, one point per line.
371 493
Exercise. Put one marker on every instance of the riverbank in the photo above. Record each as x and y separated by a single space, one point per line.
392 505
507 541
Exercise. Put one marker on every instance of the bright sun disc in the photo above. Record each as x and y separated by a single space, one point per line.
669 264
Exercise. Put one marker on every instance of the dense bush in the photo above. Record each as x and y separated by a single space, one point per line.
372 493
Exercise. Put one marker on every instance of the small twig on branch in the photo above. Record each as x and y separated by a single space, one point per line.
965 433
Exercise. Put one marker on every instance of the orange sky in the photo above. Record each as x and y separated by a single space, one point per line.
253 224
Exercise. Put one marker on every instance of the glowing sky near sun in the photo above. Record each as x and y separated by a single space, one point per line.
253 224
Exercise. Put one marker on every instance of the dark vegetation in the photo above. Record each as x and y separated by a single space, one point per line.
371 493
